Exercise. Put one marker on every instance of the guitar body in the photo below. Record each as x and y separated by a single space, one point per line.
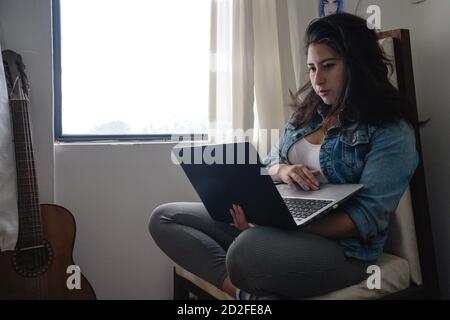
41 273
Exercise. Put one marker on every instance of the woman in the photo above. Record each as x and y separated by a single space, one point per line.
351 126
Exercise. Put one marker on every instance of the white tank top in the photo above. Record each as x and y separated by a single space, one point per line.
304 152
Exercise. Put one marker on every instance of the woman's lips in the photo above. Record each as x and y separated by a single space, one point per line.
323 93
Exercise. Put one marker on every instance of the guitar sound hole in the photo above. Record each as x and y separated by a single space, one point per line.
31 262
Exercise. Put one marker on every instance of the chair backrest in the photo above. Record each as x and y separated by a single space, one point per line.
410 230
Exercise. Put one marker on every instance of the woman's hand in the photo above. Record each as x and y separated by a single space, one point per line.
239 219
300 175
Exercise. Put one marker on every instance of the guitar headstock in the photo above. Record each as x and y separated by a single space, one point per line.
16 79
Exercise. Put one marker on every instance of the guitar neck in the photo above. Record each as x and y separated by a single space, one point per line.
30 223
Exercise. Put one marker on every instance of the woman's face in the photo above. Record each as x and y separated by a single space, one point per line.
330 6
327 72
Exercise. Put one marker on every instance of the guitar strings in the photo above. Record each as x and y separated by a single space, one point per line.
18 108
32 222
36 206
31 186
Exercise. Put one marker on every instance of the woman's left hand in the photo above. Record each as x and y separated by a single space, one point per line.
239 219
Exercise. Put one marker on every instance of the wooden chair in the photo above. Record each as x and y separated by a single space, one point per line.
409 253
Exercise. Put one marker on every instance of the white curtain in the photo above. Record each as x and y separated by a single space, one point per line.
300 14
274 72
220 95
252 69
8 187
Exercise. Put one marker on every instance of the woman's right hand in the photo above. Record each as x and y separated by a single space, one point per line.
299 175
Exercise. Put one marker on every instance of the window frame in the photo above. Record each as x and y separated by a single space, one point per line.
57 101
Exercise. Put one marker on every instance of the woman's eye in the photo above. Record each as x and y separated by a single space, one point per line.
312 69
328 66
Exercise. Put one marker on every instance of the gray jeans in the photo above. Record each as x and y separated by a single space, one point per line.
263 261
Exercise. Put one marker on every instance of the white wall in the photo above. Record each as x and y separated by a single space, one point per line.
111 189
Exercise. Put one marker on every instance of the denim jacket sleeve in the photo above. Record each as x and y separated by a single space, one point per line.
275 156
389 166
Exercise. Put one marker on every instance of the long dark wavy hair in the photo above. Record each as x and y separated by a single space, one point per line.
368 95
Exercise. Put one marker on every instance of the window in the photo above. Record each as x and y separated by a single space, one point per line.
131 69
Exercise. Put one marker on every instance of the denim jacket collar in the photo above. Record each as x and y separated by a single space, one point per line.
323 110
352 133
313 125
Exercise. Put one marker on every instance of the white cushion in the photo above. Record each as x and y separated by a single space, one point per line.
394 278
402 240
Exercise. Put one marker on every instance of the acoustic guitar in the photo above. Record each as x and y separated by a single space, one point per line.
42 263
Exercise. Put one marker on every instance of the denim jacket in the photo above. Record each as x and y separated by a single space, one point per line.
383 159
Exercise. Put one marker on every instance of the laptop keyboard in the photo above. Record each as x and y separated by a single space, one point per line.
303 208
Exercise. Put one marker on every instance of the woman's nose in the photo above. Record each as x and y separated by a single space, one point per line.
319 78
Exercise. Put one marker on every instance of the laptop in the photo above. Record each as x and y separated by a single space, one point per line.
226 174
